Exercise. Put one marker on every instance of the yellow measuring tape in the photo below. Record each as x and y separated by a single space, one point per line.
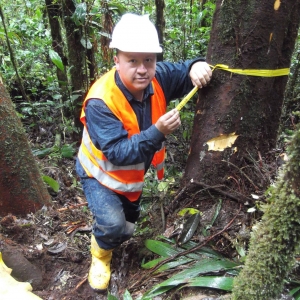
250 72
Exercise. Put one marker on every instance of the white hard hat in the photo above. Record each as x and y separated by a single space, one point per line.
134 33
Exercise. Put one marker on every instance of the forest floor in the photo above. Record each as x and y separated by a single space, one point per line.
50 248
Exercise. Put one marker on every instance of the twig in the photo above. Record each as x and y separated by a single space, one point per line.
163 218
72 206
80 283
208 239
171 205
76 287
241 199
241 172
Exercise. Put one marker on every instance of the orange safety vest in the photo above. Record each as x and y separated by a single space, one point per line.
125 180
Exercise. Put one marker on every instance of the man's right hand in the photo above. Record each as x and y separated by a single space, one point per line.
168 122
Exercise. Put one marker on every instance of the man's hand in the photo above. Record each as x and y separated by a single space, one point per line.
168 122
200 74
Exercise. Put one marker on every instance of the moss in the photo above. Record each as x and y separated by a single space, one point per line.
275 240
230 15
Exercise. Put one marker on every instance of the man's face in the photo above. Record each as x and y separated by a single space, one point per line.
136 71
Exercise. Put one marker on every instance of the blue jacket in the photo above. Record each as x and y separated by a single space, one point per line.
107 132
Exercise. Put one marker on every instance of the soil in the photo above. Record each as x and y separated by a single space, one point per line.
50 248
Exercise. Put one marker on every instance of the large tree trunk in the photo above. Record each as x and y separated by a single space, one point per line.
256 34
21 187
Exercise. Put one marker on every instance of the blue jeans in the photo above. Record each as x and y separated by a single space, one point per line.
113 214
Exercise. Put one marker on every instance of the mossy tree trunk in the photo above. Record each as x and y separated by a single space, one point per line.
276 238
246 34
21 187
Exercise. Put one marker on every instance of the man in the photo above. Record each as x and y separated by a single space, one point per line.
125 124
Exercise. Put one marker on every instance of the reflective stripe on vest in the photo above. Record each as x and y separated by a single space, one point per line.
125 180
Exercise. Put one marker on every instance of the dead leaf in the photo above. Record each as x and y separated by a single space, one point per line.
60 247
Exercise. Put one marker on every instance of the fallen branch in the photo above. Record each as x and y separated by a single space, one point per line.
240 199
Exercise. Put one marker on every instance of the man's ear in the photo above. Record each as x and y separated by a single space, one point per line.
116 61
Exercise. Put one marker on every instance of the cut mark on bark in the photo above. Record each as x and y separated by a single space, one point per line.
221 142
277 4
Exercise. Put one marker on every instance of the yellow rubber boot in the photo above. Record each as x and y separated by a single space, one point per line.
99 274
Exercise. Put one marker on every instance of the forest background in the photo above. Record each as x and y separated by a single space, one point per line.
47 73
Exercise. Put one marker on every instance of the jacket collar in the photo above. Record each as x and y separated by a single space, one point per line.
148 90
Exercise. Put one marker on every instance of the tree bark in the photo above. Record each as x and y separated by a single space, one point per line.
160 24
53 11
256 34
76 57
22 190
107 27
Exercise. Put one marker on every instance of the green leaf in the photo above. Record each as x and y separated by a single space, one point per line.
152 263
184 277
67 151
188 210
105 34
40 153
160 248
216 282
127 296
163 186
56 59
202 267
216 213
111 297
240 250
189 228
158 291
167 250
85 42
195 254
294 291
170 265
203 250
80 13
51 182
